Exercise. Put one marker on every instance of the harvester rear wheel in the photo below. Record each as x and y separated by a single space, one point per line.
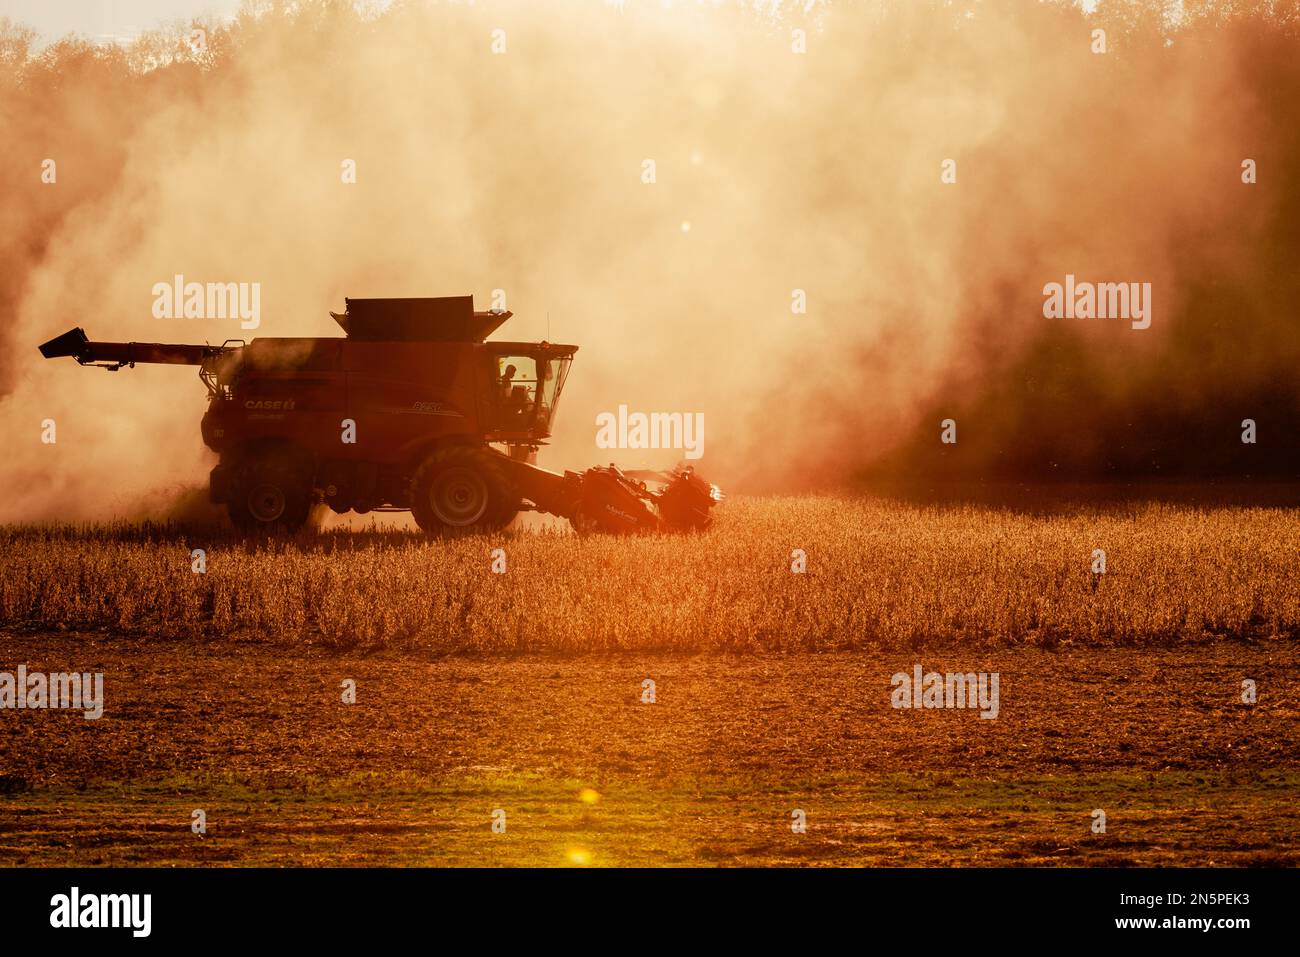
460 489
269 493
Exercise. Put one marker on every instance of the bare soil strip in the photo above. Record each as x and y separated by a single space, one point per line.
258 737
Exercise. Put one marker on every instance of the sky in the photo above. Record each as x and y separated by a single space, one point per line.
108 19
124 19
833 302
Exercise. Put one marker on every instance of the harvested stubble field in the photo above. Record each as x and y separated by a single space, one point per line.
523 692
879 575
586 772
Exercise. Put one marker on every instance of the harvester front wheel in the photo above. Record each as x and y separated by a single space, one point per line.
269 494
460 489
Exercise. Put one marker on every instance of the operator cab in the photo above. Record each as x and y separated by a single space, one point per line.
524 382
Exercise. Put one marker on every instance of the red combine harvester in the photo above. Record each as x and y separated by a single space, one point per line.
403 413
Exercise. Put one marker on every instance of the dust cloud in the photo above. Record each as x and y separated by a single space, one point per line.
775 171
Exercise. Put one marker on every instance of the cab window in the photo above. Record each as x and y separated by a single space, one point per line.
516 390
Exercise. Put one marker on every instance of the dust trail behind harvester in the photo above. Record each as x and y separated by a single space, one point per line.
775 171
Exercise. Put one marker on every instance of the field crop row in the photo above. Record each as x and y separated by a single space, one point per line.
878 574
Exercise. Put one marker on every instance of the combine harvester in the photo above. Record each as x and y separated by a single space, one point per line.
402 413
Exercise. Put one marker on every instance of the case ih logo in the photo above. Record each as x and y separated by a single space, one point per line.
269 405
